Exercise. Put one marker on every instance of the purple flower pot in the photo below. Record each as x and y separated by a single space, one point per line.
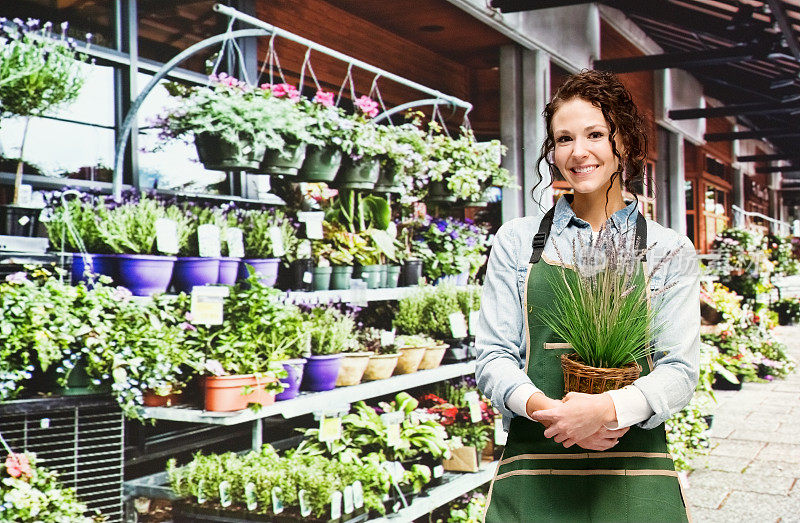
143 274
82 266
228 270
321 372
291 383
266 269
106 264
190 271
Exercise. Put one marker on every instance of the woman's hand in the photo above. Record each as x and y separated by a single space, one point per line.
603 439
577 417
538 401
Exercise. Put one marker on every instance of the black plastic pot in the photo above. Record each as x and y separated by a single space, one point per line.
299 268
720 383
457 351
411 273
19 220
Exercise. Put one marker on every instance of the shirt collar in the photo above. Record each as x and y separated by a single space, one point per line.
622 220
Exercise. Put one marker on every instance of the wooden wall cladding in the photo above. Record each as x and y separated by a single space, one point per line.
723 151
335 28
641 84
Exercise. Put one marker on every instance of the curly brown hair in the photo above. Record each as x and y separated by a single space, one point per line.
606 92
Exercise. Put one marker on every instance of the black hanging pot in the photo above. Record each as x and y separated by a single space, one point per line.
219 154
19 220
285 161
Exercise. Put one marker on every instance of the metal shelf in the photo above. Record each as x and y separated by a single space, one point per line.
311 402
454 485
349 295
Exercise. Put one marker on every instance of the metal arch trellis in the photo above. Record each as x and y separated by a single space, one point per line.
264 29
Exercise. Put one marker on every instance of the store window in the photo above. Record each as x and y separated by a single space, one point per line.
714 211
688 189
83 17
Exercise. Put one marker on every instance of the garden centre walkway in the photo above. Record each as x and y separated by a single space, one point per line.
753 470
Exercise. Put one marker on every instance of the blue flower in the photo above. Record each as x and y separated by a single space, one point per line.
441 225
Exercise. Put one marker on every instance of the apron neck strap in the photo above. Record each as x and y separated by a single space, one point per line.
540 238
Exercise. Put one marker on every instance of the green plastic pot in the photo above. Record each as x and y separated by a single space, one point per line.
340 277
358 174
384 276
218 154
389 179
286 161
370 274
321 164
439 193
392 276
322 278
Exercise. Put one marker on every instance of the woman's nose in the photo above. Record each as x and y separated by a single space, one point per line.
579 148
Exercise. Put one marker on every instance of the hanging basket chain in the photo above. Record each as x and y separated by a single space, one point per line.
349 76
218 61
313 75
377 92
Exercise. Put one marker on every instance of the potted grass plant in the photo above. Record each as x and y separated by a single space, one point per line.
602 310
332 333
383 358
191 268
260 249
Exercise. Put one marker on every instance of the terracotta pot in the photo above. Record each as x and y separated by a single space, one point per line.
151 399
352 368
433 357
227 393
380 366
410 358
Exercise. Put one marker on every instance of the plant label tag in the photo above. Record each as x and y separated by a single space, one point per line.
336 505
396 507
358 494
305 507
358 288
201 495
458 325
313 221
393 418
250 496
348 499
308 277
225 494
276 238
304 250
500 435
387 338
167 236
24 198
208 242
473 322
330 429
473 402
438 470
277 503
393 435
207 304
235 240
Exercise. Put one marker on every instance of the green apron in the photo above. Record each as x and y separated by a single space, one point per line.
540 480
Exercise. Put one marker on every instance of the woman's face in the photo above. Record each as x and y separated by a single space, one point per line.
583 152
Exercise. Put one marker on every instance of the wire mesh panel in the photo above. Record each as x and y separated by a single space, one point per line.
81 439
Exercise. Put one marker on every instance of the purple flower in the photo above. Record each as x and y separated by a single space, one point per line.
441 225
454 235
470 241
17 277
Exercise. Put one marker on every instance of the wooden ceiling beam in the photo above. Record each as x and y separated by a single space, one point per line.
752 135
683 59
731 110
515 6
768 157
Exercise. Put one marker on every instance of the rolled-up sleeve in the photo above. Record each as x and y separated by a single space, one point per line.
500 335
671 384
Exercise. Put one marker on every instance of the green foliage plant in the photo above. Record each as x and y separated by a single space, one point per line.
256 226
601 307
331 331
130 227
427 309
76 217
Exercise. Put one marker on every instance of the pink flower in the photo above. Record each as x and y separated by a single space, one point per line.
18 465
324 98
17 277
368 106
288 90
187 326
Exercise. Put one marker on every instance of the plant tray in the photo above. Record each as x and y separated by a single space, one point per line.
185 512
579 377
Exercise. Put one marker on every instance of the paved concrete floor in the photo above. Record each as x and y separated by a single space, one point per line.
753 470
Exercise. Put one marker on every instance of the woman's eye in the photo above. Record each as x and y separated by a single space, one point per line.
563 139
595 135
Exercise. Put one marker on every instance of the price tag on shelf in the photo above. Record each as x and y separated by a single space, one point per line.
473 402
473 322
166 236
358 494
313 221
208 242
458 325
235 240
336 505
276 238
305 506
277 503
250 496
348 499
330 429
500 435
387 338
225 494
207 304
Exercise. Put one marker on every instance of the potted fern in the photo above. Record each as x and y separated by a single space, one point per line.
601 308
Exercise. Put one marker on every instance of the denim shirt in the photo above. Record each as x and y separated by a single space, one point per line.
500 336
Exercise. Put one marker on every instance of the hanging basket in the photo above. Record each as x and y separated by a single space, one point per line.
389 180
218 154
579 377
286 161
321 164
440 193
358 174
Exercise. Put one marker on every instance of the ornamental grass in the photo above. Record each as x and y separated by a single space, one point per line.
602 304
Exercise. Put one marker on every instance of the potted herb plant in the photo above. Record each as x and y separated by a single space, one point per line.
38 72
259 248
434 350
322 270
129 230
332 333
191 268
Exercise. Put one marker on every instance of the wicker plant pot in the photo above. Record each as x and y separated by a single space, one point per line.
579 377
